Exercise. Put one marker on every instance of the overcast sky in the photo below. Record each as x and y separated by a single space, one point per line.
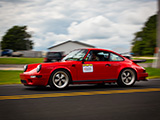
109 24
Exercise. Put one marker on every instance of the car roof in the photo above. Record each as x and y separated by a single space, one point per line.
103 50
99 49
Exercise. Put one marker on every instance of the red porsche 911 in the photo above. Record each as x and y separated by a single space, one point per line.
84 66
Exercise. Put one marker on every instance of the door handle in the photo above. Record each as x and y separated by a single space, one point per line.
108 65
73 65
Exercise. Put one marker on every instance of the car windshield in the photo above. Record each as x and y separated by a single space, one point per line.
76 55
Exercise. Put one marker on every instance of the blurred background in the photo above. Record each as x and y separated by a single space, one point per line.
36 31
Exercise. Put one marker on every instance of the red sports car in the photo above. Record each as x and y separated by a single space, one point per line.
84 66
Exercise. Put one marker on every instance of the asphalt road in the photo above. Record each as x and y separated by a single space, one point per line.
139 102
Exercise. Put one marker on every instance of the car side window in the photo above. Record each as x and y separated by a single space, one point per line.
114 57
103 56
97 56
90 56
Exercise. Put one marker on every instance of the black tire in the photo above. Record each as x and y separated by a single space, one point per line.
127 77
59 79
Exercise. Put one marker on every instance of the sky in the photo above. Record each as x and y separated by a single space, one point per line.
108 24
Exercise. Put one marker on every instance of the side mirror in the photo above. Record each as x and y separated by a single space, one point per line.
83 61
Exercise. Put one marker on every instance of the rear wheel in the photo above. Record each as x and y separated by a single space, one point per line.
127 78
59 79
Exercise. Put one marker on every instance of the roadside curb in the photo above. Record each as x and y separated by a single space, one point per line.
11 66
2 68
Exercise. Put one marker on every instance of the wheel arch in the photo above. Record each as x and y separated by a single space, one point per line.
127 68
58 69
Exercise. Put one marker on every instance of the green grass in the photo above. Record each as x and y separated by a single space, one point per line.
149 61
12 76
153 72
19 60
9 77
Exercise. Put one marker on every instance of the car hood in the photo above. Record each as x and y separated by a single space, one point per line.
58 63
33 66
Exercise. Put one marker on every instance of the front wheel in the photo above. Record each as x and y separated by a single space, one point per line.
127 78
59 79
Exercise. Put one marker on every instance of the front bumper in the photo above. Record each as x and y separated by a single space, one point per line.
34 79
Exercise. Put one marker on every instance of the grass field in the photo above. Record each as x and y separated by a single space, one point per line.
9 77
12 77
19 60
153 72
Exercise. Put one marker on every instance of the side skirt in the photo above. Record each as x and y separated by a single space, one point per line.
94 81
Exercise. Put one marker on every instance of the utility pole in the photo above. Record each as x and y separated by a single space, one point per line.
0 49
158 37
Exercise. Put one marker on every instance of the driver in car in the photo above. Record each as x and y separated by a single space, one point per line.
94 57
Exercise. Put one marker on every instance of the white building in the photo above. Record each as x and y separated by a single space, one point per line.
68 46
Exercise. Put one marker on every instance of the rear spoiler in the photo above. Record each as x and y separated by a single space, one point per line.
138 61
135 61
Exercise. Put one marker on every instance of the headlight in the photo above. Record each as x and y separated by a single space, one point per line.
25 68
39 68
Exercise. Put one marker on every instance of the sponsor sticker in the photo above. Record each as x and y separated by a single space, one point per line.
87 68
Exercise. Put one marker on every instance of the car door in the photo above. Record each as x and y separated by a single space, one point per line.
91 70
97 70
113 66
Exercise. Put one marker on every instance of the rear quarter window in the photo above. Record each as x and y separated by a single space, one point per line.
115 57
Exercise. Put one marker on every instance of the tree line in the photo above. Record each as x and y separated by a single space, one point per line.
17 38
144 42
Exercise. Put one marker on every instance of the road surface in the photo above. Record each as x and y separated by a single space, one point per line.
81 102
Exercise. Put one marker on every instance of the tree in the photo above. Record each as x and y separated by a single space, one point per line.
17 38
144 42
